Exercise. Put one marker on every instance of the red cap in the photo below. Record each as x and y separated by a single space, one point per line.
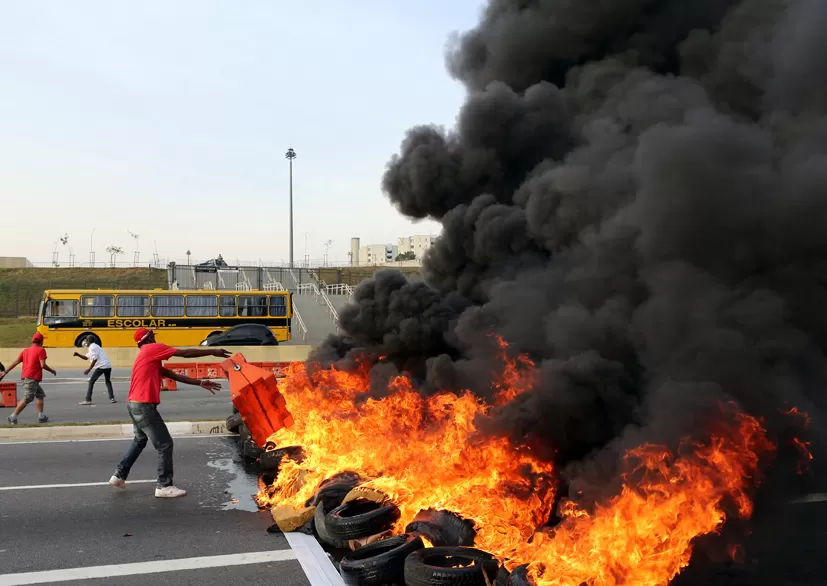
38 337
141 334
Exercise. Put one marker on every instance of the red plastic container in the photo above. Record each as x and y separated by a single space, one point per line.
255 393
8 395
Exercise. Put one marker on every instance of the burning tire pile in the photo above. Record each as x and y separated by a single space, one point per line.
357 524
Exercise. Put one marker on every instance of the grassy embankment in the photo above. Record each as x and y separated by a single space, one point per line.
21 290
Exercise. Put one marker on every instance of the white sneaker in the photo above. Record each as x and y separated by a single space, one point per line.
169 492
117 482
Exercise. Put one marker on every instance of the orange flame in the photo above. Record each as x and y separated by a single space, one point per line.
426 452
421 452
643 536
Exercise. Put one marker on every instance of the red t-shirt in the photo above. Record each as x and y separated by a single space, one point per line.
146 373
31 357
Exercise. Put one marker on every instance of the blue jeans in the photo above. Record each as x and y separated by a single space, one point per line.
107 377
148 423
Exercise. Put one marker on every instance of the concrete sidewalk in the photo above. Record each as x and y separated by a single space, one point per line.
60 358
15 433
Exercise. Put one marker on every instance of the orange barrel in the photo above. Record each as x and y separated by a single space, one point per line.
8 395
255 393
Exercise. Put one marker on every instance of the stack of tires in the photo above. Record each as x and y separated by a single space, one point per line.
361 528
404 559
246 446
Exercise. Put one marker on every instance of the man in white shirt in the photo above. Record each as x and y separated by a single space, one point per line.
100 365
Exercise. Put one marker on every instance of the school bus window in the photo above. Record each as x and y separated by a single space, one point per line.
133 305
168 305
202 306
252 306
278 305
61 308
97 306
226 306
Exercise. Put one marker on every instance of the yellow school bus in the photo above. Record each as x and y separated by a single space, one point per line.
181 318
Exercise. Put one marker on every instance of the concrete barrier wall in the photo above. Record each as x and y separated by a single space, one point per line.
124 357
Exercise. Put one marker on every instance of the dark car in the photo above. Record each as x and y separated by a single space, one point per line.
243 335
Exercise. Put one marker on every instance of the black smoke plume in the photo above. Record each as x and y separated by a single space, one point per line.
635 195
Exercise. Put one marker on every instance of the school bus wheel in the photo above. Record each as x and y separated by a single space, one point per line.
90 337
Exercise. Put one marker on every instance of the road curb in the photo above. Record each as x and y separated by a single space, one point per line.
120 430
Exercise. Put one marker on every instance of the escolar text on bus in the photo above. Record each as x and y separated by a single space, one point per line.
136 323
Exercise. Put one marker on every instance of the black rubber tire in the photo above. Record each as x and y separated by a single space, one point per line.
271 459
333 491
251 451
519 577
379 563
435 566
234 421
320 523
92 338
443 528
502 577
360 518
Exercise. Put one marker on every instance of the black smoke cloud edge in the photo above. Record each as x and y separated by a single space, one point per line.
634 195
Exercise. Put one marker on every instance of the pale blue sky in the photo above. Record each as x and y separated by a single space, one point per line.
171 119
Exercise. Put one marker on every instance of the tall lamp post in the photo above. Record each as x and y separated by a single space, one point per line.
290 155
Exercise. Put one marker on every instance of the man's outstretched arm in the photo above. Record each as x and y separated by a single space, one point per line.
197 353
10 368
205 384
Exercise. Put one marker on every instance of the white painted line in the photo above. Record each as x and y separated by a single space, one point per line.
816 497
79 484
108 439
91 572
313 559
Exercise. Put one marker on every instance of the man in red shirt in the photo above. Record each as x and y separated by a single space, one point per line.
33 359
142 403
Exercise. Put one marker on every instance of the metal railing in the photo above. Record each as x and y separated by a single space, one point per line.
339 289
298 317
321 298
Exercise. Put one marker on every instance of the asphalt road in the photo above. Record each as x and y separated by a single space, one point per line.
82 527
65 391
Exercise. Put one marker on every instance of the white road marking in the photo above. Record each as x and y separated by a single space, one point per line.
817 497
157 567
314 561
76 485
109 439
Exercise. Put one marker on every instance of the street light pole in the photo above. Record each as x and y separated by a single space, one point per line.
290 155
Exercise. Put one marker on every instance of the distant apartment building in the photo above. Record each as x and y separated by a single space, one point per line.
382 254
376 254
416 244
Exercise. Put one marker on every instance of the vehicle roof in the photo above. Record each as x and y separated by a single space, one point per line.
163 291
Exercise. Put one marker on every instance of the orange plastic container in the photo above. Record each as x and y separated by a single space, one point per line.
255 393
8 395
167 384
